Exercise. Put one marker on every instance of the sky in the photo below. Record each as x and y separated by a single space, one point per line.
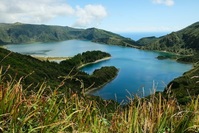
120 16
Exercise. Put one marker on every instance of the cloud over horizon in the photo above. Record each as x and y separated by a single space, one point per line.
42 11
36 11
164 2
89 15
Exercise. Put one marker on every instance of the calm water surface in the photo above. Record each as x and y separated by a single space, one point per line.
139 70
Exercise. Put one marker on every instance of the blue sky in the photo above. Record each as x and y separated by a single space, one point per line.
113 15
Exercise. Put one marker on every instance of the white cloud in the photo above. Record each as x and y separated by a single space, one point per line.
165 2
33 11
89 15
43 11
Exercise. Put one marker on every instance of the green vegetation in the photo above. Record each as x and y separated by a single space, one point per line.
28 33
33 71
147 40
167 55
56 111
185 88
84 58
184 42
189 59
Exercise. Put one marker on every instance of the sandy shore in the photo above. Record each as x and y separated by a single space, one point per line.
43 58
51 58
103 59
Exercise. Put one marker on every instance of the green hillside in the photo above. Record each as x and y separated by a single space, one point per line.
28 33
33 71
106 37
182 42
147 40
186 87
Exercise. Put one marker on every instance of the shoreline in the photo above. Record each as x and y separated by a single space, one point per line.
43 58
103 59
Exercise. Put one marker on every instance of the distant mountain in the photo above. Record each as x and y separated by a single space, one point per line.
147 40
28 33
185 41
102 36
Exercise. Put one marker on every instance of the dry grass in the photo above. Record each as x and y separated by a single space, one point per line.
22 111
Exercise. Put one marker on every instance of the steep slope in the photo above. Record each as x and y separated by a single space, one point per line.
190 36
106 37
28 33
147 40
186 87
185 41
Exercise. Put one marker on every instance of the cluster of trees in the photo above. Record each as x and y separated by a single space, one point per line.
189 59
84 58
99 77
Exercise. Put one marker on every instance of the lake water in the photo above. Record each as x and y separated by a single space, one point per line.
139 71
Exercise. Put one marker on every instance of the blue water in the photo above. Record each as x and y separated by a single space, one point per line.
139 71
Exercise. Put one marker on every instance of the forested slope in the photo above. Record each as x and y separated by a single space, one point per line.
185 41
28 33
33 71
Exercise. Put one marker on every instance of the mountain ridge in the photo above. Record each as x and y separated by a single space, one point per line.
28 33
184 41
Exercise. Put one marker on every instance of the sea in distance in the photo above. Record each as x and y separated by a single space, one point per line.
140 72
138 35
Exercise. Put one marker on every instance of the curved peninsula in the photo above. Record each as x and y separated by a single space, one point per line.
65 75
85 58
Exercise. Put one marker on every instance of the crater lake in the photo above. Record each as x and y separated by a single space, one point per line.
140 72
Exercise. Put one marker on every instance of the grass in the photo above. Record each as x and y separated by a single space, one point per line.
56 112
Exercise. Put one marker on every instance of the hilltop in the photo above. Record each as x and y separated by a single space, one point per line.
29 33
182 42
